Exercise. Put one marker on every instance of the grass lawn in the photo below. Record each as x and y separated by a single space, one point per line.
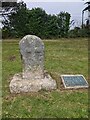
64 56
0 79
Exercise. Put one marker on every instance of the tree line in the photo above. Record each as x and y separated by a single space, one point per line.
22 21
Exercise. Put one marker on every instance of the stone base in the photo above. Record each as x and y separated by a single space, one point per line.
18 85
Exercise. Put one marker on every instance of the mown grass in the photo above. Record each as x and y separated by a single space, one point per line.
64 56
0 79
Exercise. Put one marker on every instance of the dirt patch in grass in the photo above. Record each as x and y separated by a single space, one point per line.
12 58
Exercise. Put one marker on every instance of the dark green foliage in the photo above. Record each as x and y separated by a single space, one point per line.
36 21
17 24
22 21
63 23
5 33
51 27
79 32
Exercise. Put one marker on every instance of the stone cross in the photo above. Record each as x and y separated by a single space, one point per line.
32 52
33 77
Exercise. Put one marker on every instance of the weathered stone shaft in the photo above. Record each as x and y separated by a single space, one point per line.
32 51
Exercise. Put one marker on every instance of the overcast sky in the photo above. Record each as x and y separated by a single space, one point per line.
74 7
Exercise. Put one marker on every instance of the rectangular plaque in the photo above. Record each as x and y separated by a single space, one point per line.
74 81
